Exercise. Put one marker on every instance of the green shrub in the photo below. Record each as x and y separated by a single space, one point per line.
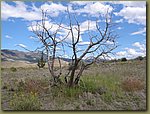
2 69
4 87
13 69
22 101
21 85
139 58
123 59
41 62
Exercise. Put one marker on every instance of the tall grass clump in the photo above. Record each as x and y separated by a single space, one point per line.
13 69
106 85
2 69
89 83
22 101
66 92
72 92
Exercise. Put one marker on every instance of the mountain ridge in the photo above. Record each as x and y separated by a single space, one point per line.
15 55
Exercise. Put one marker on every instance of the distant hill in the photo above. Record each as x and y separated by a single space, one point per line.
15 58
33 57
66 59
14 55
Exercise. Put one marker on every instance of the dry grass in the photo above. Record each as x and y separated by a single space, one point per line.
105 87
33 85
132 84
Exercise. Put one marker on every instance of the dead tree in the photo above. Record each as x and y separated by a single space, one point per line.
50 43
99 45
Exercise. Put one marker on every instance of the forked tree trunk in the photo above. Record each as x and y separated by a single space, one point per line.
72 75
71 81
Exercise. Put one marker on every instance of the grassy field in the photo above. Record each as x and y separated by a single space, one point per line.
108 86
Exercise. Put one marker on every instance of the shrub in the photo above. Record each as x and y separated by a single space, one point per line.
33 85
41 62
139 58
4 87
13 69
123 59
21 85
132 84
2 69
28 85
22 101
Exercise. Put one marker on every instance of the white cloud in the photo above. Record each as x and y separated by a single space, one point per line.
94 9
121 53
129 53
18 11
130 3
53 9
61 32
64 32
91 25
134 53
142 47
109 42
136 44
21 45
58 49
136 15
119 21
7 36
11 20
119 28
48 25
80 2
139 32
65 56
31 37
84 43
30 13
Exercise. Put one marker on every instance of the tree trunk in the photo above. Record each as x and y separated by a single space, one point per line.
71 81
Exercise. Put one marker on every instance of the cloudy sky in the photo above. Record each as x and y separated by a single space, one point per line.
130 18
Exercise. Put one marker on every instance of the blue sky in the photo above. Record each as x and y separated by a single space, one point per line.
130 18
